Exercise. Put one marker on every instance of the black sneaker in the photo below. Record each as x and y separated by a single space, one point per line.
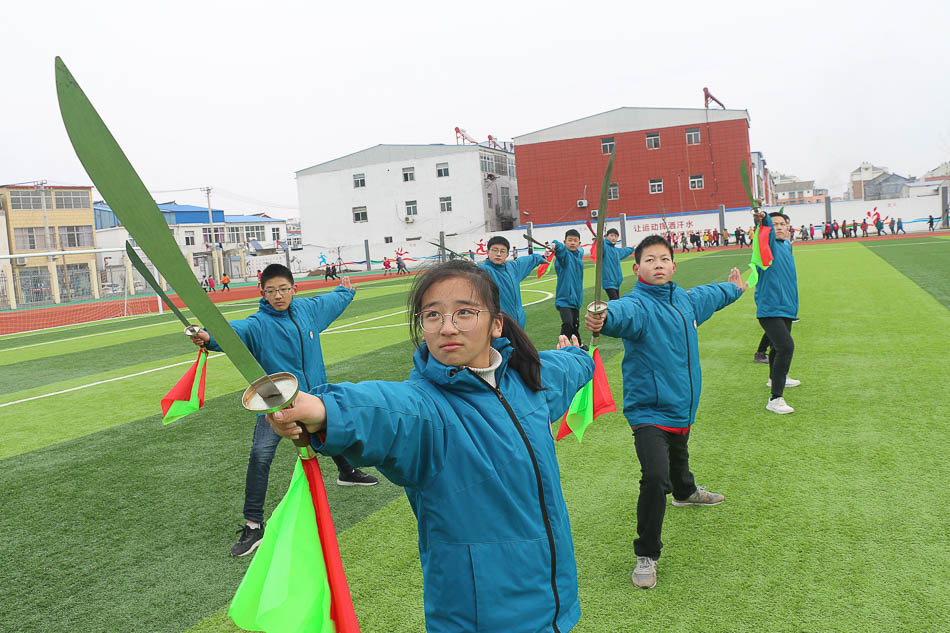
250 539
356 477
761 358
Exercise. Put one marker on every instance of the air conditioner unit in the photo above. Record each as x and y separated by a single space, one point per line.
410 219
593 213
20 261
582 204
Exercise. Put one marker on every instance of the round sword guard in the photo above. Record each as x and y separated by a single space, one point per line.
192 330
271 393
597 307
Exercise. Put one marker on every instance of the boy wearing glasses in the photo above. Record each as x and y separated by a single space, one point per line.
284 335
509 275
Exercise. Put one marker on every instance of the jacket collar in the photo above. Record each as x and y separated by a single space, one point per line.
457 378
660 292
267 309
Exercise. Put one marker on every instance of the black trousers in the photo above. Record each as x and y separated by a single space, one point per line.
664 468
779 331
612 294
569 322
763 344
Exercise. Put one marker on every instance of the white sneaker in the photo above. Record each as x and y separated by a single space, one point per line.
779 406
789 382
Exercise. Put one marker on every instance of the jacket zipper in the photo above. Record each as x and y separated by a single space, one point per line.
303 359
689 371
544 510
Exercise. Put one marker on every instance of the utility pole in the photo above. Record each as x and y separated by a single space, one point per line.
215 269
51 259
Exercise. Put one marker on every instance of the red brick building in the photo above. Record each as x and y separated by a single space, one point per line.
669 160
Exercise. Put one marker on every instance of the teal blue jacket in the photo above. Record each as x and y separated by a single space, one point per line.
662 378
479 468
290 340
613 276
508 278
569 266
776 293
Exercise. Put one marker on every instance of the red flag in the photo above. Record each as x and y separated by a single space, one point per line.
592 401
543 268
765 253
187 396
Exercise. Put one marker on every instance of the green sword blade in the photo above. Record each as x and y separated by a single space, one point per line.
744 174
123 190
146 273
599 237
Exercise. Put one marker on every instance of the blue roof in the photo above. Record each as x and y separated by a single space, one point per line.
181 214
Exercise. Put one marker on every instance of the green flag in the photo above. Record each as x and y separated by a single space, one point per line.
285 589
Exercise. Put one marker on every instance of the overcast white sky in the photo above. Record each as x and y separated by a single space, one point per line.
240 95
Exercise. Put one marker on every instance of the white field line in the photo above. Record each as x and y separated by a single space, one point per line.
833 248
102 382
547 295
110 332
375 318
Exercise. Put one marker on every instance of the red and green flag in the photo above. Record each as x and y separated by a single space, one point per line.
286 589
296 582
545 265
188 395
761 252
592 401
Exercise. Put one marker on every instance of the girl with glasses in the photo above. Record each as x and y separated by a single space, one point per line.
469 437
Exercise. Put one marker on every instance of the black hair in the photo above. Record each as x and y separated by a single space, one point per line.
779 214
524 359
572 233
498 239
614 231
276 270
651 240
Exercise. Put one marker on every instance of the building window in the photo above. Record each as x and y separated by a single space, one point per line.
692 136
411 207
189 238
359 214
445 204
486 162
656 185
408 174
516 203
613 191
72 199
359 180
607 144
388 240
29 199
696 182
235 235
501 165
254 232
442 170
511 168
30 238
218 235
75 236
505 199
275 233
653 140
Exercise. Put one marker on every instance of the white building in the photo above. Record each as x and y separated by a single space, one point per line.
403 194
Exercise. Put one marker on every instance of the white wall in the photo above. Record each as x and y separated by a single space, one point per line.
327 201
914 212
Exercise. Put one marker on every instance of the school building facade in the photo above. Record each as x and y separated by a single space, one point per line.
668 160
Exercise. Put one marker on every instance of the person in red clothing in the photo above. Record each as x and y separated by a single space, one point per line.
387 267
835 227
211 283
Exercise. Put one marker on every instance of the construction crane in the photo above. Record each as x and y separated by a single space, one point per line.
707 97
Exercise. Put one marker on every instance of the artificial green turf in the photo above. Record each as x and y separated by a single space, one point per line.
833 519
925 261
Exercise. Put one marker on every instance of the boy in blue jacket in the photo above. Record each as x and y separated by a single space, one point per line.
283 335
661 384
613 276
776 301
569 293
509 275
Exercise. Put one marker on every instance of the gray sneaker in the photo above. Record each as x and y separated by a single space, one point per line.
701 497
644 574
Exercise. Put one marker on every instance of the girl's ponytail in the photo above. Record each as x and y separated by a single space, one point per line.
524 359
